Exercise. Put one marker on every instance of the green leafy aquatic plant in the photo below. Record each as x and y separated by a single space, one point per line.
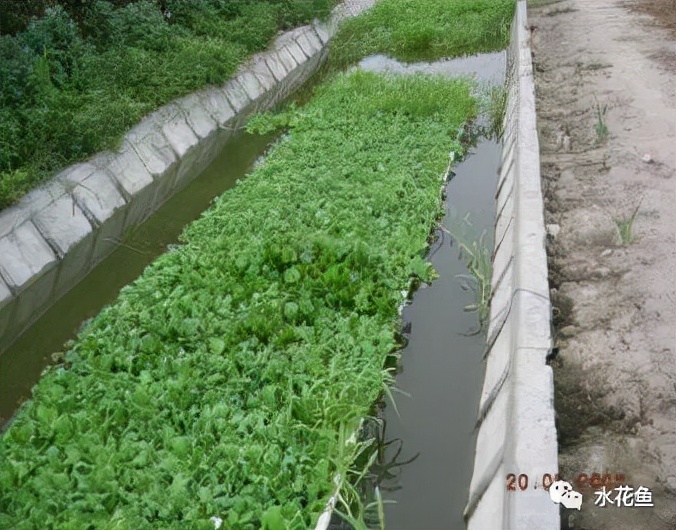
424 30
219 382
478 254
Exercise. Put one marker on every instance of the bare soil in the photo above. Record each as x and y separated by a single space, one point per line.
606 95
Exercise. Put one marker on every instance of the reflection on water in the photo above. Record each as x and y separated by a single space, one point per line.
486 68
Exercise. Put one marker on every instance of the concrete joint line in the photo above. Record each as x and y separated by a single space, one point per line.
89 215
504 235
54 247
134 147
4 274
502 181
504 316
484 483
186 117
510 194
502 276
492 396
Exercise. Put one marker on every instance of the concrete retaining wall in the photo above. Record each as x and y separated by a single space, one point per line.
59 232
516 415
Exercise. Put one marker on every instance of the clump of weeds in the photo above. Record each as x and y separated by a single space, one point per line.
600 127
494 103
477 252
626 226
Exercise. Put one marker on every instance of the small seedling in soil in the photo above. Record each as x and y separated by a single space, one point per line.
626 227
601 128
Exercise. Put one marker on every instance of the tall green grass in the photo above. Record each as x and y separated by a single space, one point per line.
424 30
70 89
222 382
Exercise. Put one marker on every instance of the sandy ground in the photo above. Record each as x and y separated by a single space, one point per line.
606 92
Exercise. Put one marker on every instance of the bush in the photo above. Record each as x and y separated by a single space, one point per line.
142 25
57 38
76 79
16 63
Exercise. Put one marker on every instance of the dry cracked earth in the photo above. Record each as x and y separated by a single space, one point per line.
606 95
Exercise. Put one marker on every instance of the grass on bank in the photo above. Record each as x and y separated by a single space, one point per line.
411 30
75 80
219 383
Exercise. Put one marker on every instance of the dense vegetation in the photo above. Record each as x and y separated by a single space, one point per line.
424 29
219 382
73 81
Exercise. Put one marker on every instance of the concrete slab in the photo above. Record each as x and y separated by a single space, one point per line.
152 147
217 105
7 306
505 202
287 59
197 116
236 95
24 255
322 31
95 193
309 42
260 69
103 204
176 130
67 230
28 267
251 85
492 503
506 251
275 65
520 423
497 366
296 52
491 437
135 182
189 166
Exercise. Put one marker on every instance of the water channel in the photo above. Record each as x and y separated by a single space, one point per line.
23 362
441 367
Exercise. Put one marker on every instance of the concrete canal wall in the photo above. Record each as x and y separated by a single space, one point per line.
516 431
56 234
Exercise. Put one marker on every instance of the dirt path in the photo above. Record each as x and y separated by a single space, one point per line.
606 87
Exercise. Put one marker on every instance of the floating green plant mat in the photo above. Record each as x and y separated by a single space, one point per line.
411 30
218 384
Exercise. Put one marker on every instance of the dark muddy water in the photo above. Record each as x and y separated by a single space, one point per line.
442 370
22 364
441 367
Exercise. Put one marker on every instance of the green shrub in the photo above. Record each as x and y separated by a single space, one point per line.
142 25
71 89
16 63
56 38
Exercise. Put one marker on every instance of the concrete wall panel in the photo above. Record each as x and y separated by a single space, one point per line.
517 433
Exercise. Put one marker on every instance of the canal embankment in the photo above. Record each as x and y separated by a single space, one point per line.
516 428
